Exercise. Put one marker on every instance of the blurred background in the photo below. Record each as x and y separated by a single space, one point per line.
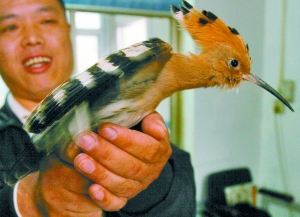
221 129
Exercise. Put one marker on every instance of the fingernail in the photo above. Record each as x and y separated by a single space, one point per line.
86 142
98 195
86 166
109 133
161 128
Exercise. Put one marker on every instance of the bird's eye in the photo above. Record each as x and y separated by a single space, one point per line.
234 63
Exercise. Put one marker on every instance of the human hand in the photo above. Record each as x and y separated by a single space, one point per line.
120 167
56 190
122 162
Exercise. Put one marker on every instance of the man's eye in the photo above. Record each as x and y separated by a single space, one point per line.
48 21
9 28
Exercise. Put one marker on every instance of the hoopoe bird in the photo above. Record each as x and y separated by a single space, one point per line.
129 84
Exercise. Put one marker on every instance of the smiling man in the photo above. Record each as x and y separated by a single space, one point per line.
34 42
105 171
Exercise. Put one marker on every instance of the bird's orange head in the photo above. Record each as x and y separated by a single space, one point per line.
226 54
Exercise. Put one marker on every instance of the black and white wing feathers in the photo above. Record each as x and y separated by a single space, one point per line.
87 86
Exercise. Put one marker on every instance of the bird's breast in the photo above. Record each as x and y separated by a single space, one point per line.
125 112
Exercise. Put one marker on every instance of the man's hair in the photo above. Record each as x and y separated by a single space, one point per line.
61 2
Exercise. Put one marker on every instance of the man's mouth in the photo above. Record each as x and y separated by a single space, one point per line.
36 62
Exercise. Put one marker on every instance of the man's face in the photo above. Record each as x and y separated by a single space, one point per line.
35 47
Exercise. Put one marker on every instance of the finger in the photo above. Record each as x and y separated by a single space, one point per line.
143 146
157 131
114 183
106 199
108 155
68 153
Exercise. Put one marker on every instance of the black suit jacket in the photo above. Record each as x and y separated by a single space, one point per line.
9 125
171 195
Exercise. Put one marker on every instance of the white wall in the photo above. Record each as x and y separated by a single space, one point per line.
238 129
280 159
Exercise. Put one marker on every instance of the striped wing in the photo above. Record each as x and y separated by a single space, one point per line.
93 82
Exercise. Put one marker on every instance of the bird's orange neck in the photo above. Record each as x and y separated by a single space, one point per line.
183 72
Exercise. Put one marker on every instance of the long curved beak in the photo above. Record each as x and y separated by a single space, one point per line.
256 80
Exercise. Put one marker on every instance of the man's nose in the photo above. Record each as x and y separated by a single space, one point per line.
32 36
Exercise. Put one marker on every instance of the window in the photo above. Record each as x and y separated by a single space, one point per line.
132 32
87 20
86 51
86 35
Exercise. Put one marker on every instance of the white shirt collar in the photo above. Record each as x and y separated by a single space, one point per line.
21 112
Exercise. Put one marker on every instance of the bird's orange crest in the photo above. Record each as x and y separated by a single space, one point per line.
219 41
208 30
